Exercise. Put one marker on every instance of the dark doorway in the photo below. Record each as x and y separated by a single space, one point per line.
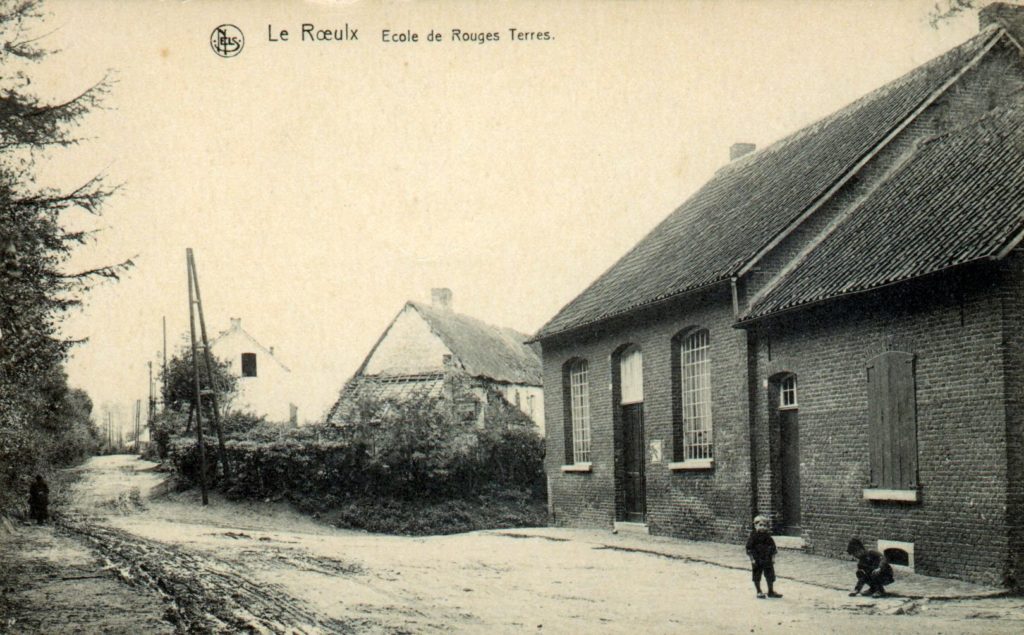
789 432
633 465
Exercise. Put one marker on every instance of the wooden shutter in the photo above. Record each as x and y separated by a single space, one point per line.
904 406
892 421
876 417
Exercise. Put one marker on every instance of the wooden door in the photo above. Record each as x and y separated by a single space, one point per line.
789 428
633 447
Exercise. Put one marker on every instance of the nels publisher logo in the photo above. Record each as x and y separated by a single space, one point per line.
227 40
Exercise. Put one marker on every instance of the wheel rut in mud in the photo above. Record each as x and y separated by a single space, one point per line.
203 593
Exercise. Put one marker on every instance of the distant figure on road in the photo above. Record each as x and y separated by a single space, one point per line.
873 569
761 551
39 499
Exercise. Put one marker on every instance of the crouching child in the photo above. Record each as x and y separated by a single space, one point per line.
873 569
761 551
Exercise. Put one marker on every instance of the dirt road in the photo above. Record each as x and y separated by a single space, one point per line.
260 568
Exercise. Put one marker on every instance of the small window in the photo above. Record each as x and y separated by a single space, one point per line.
898 553
469 411
248 364
529 404
897 556
579 411
787 392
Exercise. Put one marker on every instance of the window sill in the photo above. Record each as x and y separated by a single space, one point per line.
898 495
692 464
576 467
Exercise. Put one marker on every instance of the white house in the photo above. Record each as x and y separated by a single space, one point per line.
264 383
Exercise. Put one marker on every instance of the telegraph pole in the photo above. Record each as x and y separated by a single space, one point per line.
163 391
151 409
209 369
138 425
195 377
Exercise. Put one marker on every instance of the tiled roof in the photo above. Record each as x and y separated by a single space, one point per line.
493 352
750 201
396 388
960 198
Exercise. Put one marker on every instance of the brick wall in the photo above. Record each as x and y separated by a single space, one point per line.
953 326
706 504
1012 275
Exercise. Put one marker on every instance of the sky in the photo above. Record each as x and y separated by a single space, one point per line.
324 184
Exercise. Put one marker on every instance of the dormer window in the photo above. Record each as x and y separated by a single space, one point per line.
248 364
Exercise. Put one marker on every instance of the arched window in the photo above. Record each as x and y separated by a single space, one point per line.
579 410
695 372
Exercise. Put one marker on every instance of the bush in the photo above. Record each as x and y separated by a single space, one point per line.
410 455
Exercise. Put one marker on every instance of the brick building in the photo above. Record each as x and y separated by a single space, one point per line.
829 332
430 350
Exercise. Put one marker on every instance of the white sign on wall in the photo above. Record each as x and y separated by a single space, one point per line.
656 451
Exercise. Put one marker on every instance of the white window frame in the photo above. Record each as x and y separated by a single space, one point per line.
579 409
788 386
695 380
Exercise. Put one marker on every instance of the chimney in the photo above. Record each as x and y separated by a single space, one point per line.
236 323
737 150
1009 16
441 298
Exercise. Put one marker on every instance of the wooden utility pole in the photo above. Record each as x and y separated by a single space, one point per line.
209 369
151 412
163 386
138 425
195 376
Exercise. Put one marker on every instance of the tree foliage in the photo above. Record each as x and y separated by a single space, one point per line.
949 9
42 420
179 382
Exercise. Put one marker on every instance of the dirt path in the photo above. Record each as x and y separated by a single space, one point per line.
233 567
51 583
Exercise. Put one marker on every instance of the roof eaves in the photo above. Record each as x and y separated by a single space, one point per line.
265 349
773 313
540 336
252 339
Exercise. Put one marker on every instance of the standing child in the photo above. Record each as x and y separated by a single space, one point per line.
761 551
